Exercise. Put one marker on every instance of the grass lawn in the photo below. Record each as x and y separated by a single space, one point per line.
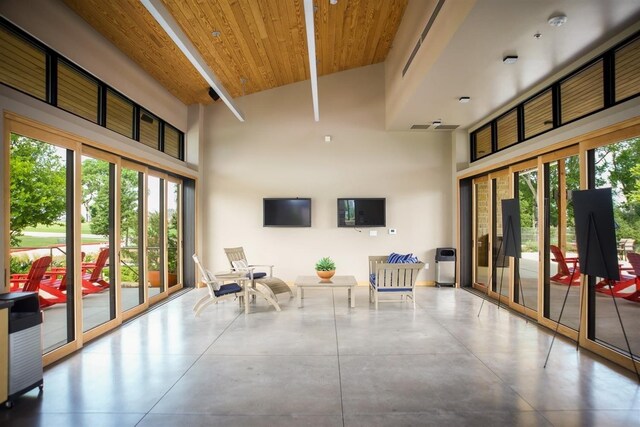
42 242
59 228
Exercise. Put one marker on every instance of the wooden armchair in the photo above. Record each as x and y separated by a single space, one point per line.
392 279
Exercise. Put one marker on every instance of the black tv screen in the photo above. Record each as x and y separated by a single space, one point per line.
287 212
362 212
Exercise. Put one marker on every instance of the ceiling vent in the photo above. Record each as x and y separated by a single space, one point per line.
425 31
448 127
420 127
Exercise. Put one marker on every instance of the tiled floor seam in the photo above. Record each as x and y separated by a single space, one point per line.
190 366
335 325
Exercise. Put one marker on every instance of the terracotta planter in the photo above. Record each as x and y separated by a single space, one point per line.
154 279
325 275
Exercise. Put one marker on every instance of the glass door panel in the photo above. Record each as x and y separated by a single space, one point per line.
618 166
131 238
562 176
481 205
155 235
500 271
41 232
98 269
526 280
174 237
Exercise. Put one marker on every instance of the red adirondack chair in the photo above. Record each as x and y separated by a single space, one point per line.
33 282
92 280
567 275
634 260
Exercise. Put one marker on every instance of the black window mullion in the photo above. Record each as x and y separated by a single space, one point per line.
608 76
546 242
136 122
520 122
141 232
181 146
70 247
52 78
102 104
591 280
494 136
556 108
161 234
161 125
112 240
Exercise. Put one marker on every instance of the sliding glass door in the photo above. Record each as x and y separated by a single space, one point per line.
481 232
132 234
41 231
98 175
500 190
525 282
561 277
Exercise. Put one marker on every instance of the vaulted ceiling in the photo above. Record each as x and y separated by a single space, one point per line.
258 45
262 45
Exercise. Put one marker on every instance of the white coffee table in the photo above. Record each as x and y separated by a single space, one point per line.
314 282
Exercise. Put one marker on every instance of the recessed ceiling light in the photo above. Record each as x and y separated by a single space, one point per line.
464 99
333 1
558 20
215 33
537 36
510 59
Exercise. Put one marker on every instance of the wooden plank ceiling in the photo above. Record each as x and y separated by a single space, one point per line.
262 43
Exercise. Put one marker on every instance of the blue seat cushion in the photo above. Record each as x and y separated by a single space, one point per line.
258 275
229 288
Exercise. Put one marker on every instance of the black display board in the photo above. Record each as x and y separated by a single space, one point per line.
511 228
595 233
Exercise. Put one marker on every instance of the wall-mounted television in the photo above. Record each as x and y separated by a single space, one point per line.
286 212
370 212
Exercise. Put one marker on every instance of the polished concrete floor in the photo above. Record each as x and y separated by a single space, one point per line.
330 365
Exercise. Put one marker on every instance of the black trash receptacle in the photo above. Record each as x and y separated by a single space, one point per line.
445 267
25 343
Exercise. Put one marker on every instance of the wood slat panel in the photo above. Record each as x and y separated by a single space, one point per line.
149 132
119 114
263 42
483 142
538 115
171 141
582 94
22 65
77 93
627 66
507 129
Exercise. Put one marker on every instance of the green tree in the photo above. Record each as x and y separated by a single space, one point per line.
37 188
617 166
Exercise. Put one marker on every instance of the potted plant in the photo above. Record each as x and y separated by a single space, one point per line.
325 268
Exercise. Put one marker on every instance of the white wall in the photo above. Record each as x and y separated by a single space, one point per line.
279 152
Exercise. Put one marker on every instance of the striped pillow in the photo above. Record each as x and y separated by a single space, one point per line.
395 258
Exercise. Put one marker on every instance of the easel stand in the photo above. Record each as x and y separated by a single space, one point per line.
494 259
508 235
593 230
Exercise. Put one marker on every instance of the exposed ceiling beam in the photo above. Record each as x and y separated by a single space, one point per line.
169 24
311 47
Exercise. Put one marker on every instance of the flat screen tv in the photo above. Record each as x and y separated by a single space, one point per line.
362 212
287 212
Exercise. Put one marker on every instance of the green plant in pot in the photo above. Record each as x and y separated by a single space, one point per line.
325 268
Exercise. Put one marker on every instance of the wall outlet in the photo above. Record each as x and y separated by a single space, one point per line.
393 231
426 265
373 233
